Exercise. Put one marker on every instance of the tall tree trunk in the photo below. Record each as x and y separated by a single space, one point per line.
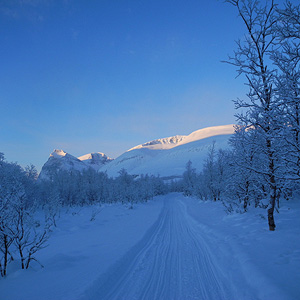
5 254
271 214
273 189
21 256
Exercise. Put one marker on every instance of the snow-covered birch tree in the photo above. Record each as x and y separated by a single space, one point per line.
287 58
261 107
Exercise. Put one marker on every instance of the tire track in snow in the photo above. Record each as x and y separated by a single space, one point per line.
170 262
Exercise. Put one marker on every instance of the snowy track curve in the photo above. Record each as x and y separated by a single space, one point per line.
171 262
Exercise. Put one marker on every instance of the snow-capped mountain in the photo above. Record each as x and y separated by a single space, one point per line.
177 140
95 160
60 160
165 157
159 144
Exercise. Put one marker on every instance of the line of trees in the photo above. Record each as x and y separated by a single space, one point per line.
21 234
263 162
224 178
266 144
74 188
29 207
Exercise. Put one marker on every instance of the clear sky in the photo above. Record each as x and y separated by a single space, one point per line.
104 76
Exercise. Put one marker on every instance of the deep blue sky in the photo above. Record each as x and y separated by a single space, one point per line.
106 75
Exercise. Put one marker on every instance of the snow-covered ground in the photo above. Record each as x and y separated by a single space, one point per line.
169 248
268 261
80 251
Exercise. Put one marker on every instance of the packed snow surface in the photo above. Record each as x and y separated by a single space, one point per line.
172 261
169 248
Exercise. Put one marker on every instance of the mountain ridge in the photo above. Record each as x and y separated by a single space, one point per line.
165 157
177 140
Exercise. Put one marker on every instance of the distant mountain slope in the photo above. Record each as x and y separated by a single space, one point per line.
166 163
174 141
60 160
95 160
165 157
168 156
159 144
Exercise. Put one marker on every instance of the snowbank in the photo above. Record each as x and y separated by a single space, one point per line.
269 261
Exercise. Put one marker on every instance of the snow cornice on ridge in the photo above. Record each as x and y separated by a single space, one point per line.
174 141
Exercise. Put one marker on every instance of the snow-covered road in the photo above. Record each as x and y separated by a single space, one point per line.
173 247
172 261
